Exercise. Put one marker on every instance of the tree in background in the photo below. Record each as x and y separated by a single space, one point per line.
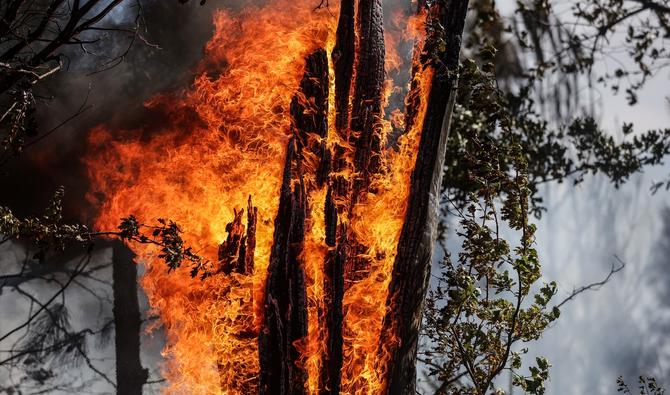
38 40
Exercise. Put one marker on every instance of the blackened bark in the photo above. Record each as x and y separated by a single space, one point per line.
236 253
343 63
343 57
232 250
334 294
365 126
411 269
309 114
130 376
367 98
309 107
285 319
252 219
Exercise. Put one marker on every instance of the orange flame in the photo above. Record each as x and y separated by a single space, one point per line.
222 140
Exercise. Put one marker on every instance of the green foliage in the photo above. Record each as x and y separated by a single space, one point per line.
500 150
501 119
48 232
167 236
572 41
491 297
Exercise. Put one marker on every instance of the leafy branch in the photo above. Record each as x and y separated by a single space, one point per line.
49 232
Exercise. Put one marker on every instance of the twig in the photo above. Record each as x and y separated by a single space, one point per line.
594 286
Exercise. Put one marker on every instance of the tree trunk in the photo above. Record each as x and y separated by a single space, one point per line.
358 65
130 376
334 294
411 270
343 57
285 319
307 168
367 99
365 126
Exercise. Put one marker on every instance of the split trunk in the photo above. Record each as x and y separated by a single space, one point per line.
358 60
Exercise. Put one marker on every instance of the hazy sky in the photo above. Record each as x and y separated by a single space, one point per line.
623 327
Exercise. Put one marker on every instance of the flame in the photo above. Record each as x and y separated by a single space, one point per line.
220 141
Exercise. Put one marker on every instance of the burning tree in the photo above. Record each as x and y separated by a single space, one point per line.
318 283
322 290
320 287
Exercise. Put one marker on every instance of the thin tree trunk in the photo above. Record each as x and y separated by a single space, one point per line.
343 57
130 375
411 270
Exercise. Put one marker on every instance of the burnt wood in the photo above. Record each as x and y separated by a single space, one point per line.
365 128
330 378
252 220
343 57
285 320
411 269
309 115
236 253
232 251
367 97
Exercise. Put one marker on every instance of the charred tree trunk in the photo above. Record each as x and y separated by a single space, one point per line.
358 66
411 269
285 319
343 57
365 125
307 168
334 295
309 116
367 98
130 376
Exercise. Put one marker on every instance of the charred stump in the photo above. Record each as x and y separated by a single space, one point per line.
236 253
